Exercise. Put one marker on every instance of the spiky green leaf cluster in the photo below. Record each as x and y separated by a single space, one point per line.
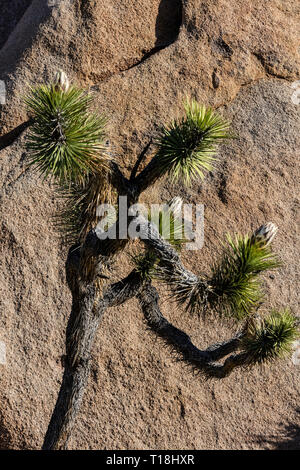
235 285
271 338
145 264
193 294
187 147
66 139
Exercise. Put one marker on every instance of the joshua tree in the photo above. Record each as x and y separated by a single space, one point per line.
66 142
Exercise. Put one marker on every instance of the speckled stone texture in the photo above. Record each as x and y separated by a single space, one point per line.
141 59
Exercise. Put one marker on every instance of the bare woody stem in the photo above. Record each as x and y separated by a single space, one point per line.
169 258
82 328
200 360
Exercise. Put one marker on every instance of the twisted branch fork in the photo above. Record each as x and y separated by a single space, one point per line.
201 360
87 310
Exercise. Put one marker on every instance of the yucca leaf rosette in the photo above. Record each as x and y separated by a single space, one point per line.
145 264
235 285
66 140
271 337
187 147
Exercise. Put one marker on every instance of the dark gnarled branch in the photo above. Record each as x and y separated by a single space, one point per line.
202 360
139 160
169 258
81 331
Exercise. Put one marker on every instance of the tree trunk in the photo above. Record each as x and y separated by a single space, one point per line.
81 331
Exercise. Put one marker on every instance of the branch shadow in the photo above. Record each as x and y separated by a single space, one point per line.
5 437
11 13
168 22
21 30
289 439
10 137
167 28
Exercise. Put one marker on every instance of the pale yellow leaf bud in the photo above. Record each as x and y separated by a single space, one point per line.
61 81
265 233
